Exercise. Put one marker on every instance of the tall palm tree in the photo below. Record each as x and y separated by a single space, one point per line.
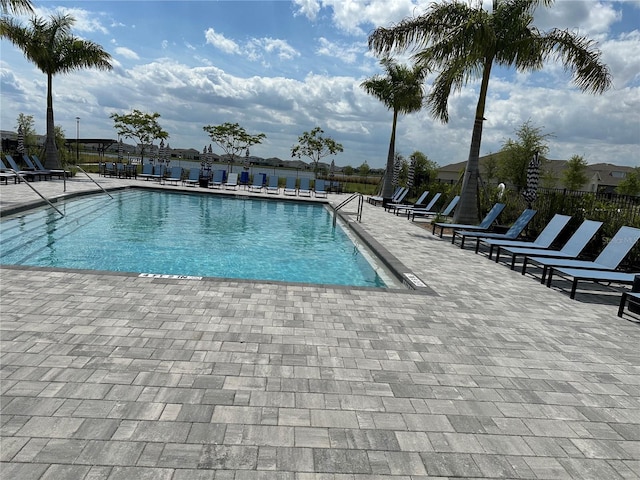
53 49
16 6
401 90
464 42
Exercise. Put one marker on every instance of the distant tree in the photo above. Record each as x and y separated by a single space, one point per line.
348 170
491 168
364 169
232 138
54 50
60 144
16 6
630 185
425 170
518 153
315 146
141 127
574 175
464 41
27 124
400 90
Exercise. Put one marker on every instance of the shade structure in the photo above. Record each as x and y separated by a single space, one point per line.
412 172
530 193
120 151
332 168
247 164
209 158
20 140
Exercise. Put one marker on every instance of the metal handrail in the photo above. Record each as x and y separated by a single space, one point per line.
34 189
88 176
360 198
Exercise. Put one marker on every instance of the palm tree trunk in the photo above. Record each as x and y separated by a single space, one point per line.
387 186
467 211
51 159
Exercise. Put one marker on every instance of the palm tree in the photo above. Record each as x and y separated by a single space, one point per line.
53 49
16 6
464 42
401 90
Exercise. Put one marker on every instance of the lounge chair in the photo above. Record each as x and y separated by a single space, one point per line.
419 203
273 187
411 208
514 231
147 171
39 168
631 299
193 179
28 174
374 200
588 275
158 173
486 223
319 189
397 201
544 239
258 182
571 249
218 179
175 175
232 182
609 259
304 190
6 174
429 212
290 186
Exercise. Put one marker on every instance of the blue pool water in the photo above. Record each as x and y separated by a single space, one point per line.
189 234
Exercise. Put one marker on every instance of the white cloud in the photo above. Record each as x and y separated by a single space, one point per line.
308 8
127 53
345 53
283 49
219 41
85 21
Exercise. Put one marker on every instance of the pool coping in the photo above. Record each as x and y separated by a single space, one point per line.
413 284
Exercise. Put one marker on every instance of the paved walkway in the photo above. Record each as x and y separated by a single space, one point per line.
488 375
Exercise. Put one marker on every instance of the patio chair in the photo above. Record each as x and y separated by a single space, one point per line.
429 212
419 203
147 171
175 175
159 172
38 167
397 201
273 187
588 275
544 239
232 182
486 223
571 249
319 190
304 190
258 182
193 179
375 199
416 207
631 299
514 231
218 179
290 186
6 174
609 259
28 174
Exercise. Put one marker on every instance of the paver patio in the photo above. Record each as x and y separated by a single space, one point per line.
488 374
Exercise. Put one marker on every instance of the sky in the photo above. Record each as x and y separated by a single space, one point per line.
284 67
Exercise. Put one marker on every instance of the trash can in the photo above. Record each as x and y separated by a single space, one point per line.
204 182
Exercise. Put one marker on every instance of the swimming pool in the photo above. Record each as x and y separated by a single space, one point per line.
204 235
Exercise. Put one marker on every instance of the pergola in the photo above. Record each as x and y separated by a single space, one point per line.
102 143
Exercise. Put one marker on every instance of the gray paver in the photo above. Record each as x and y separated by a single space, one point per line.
489 375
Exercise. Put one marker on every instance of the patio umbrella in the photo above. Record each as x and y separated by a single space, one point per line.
204 156
332 168
210 156
247 163
396 171
161 151
530 193
412 171
120 151
20 140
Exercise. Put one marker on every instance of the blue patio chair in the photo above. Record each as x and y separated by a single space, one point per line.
304 190
258 182
631 299
218 179
290 186
419 203
175 175
39 166
193 179
588 275
544 239
412 209
147 171
609 259
375 199
31 167
319 190
232 182
27 174
273 187
514 231
571 249
486 223
429 212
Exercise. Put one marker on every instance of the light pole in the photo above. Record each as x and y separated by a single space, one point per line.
77 140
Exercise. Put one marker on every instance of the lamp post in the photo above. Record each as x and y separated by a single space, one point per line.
77 140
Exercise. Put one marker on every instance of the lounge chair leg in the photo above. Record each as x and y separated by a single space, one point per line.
574 286
549 275
477 244
524 264
623 300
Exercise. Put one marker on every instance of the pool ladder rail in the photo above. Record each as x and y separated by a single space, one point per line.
360 198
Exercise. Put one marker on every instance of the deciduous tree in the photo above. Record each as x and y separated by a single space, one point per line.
232 138
574 175
140 126
315 146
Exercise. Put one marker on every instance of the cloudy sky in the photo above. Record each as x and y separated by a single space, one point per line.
284 67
